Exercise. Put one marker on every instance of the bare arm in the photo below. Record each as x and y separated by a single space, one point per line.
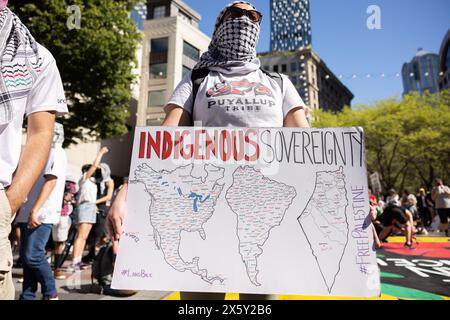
96 163
177 117
296 118
47 189
116 215
33 158
109 193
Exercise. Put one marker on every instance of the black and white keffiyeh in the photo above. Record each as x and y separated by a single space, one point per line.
20 62
233 43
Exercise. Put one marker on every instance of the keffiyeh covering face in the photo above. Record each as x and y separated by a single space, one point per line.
233 43
19 61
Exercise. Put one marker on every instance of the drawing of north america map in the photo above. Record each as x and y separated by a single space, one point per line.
195 206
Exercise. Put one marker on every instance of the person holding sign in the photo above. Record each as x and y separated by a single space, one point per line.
227 88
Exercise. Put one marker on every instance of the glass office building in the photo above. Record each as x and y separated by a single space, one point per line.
290 25
422 73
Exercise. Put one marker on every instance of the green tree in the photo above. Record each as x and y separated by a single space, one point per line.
95 61
407 141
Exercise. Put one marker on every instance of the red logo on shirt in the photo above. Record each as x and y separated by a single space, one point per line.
239 88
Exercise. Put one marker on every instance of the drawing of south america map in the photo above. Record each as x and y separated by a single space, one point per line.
262 211
260 205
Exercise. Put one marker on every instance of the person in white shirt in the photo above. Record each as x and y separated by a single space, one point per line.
36 218
441 196
31 87
234 92
86 212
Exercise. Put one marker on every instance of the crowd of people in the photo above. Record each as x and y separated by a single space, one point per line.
61 218
410 214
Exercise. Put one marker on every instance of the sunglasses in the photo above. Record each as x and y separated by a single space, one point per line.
235 12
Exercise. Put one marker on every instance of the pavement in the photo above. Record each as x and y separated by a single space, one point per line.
78 286
419 274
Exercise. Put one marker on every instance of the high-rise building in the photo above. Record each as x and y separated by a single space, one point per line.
422 73
317 85
444 54
290 25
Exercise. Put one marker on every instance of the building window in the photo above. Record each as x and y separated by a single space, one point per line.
157 98
191 51
160 45
294 67
283 68
158 58
159 12
186 71
275 68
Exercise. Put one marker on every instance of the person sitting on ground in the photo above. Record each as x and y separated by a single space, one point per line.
409 202
396 218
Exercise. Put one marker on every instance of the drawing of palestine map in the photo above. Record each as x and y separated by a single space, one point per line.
180 202
324 223
260 205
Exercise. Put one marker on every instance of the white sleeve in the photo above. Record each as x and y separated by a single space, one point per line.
49 169
291 97
59 166
47 93
182 95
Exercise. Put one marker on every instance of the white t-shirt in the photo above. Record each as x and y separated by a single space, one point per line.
443 199
46 94
51 210
88 190
227 98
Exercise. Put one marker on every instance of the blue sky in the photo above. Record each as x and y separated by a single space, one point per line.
343 41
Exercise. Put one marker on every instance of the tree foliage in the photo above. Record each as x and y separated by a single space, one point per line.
95 61
407 141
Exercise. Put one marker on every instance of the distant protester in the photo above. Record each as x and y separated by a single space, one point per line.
441 196
86 212
37 216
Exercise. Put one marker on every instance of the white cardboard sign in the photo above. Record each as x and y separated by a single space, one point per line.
249 210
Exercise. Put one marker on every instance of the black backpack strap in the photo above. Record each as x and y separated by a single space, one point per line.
197 77
276 77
